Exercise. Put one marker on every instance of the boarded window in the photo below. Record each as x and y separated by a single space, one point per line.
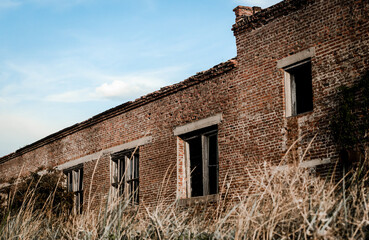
125 175
75 185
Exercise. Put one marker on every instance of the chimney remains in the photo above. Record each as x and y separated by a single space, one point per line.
241 11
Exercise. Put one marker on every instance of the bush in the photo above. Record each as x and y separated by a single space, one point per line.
350 124
36 192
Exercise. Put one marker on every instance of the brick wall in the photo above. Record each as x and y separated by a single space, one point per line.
249 92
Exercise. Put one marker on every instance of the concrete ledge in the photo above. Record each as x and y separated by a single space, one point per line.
203 123
88 158
305 164
198 200
315 162
308 53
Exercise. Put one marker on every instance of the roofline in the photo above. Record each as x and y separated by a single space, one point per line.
125 107
259 19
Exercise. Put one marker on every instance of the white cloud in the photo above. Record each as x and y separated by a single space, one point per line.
70 80
132 85
124 87
121 89
135 85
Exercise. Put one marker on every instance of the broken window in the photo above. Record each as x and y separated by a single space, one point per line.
299 89
201 149
125 175
75 185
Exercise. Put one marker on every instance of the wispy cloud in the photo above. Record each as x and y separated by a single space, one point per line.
6 4
259 3
21 129
81 95
125 87
77 79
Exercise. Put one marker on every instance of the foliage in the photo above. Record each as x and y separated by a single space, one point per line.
37 191
350 124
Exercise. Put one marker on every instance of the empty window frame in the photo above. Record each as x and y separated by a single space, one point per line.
125 175
75 185
201 150
299 91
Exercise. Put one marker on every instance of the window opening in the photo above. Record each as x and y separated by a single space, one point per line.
125 175
202 159
299 81
75 185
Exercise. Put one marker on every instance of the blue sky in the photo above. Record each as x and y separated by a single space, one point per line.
63 61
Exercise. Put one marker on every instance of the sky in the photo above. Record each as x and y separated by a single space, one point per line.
64 61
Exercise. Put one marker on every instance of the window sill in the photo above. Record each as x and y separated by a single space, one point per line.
198 200
301 114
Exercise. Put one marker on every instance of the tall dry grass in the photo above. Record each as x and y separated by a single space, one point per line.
291 203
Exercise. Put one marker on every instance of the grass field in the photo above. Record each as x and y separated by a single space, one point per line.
288 204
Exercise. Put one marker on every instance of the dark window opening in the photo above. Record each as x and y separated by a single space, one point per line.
301 87
195 148
126 175
202 147
213 163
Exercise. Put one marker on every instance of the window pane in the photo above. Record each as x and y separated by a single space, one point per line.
196 166
75 180
213 180
213 150
136 172
70 182
136 189
80 179
121 164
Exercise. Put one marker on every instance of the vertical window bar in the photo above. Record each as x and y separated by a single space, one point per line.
213 163
114 170
127 177
293 94
205 164
137 181
119 178
188 169
80 179
75 180
69 181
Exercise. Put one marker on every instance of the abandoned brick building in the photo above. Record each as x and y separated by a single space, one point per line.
218 125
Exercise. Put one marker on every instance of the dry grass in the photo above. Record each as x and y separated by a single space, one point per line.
289 204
